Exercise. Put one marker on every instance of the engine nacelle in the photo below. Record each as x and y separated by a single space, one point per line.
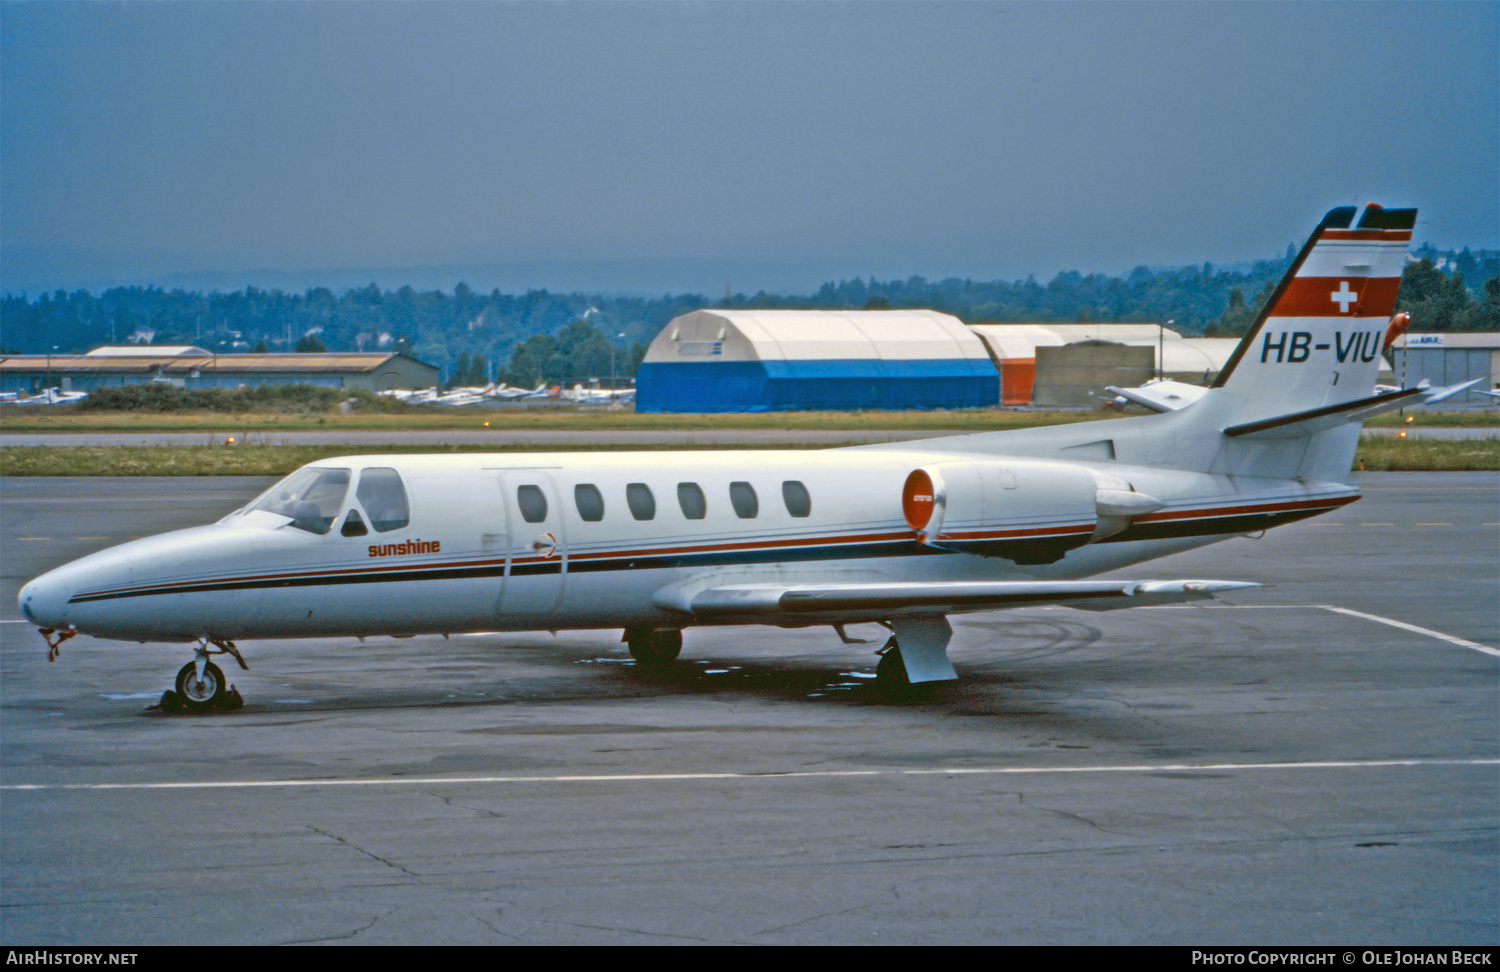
1026 511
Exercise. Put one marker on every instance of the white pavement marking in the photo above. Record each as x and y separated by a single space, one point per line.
1417 629
1451 639
795 775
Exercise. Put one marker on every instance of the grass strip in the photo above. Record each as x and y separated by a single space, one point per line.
1375 453
275 460
17 419
1388 453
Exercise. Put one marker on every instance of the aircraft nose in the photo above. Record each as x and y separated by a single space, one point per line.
45 601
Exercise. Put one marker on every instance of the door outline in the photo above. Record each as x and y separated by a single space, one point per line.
529 586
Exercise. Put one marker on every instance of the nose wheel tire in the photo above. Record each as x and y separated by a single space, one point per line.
201 694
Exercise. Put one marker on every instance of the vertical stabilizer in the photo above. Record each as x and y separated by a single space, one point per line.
1288 403
1314 350
1318 340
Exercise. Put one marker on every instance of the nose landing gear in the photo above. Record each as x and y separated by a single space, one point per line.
201 686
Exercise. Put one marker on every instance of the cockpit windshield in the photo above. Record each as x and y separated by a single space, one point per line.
311 496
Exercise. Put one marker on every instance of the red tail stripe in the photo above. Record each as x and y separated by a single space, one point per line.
1385 236
1315 297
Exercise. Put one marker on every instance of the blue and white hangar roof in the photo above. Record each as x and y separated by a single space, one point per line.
780 360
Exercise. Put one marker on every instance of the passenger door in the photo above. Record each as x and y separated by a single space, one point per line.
536 544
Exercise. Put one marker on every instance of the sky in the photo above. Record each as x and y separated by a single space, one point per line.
650 147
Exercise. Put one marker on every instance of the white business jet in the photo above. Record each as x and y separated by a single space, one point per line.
905 534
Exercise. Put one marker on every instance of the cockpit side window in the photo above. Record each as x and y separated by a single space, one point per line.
354 525
311 496
384 499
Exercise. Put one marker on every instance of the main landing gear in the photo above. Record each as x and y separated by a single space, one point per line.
902 679
891 681
653 646
201 686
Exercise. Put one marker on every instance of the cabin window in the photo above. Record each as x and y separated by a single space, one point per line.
354 525
311 496
798 503
742 498
533 503
384 499
642 504
590 503
690 498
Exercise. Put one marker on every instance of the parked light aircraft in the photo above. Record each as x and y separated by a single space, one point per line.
51 396
904 533
599 396
506 391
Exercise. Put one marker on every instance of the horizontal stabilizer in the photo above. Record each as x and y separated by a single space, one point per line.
1297 424
1443 394
1165 395
806 602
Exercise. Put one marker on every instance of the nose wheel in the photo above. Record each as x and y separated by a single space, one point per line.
201 686
201 691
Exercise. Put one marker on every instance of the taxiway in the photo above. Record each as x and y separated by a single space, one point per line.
1314 762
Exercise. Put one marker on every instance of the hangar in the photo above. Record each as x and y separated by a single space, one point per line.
1015 349
192 367
780 360
1447 359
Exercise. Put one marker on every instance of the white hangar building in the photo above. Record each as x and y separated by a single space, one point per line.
780 360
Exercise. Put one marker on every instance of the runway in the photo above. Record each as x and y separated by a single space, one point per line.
1314 762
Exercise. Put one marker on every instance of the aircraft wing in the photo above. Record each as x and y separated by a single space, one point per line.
848 603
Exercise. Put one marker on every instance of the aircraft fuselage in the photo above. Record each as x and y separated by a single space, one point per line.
554 541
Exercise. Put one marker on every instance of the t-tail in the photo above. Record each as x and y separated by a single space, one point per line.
1293 393
1318 340
1288 403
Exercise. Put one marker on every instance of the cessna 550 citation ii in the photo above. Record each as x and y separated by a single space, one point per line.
902 534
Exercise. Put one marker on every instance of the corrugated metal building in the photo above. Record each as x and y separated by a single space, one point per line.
780 360
190 367
1014 348
1449 358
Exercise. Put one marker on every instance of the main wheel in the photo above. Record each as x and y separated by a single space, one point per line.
892 683
650 647
200 694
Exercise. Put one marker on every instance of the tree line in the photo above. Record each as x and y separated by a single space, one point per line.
538 336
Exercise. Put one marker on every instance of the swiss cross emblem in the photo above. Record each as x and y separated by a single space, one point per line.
1344 296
